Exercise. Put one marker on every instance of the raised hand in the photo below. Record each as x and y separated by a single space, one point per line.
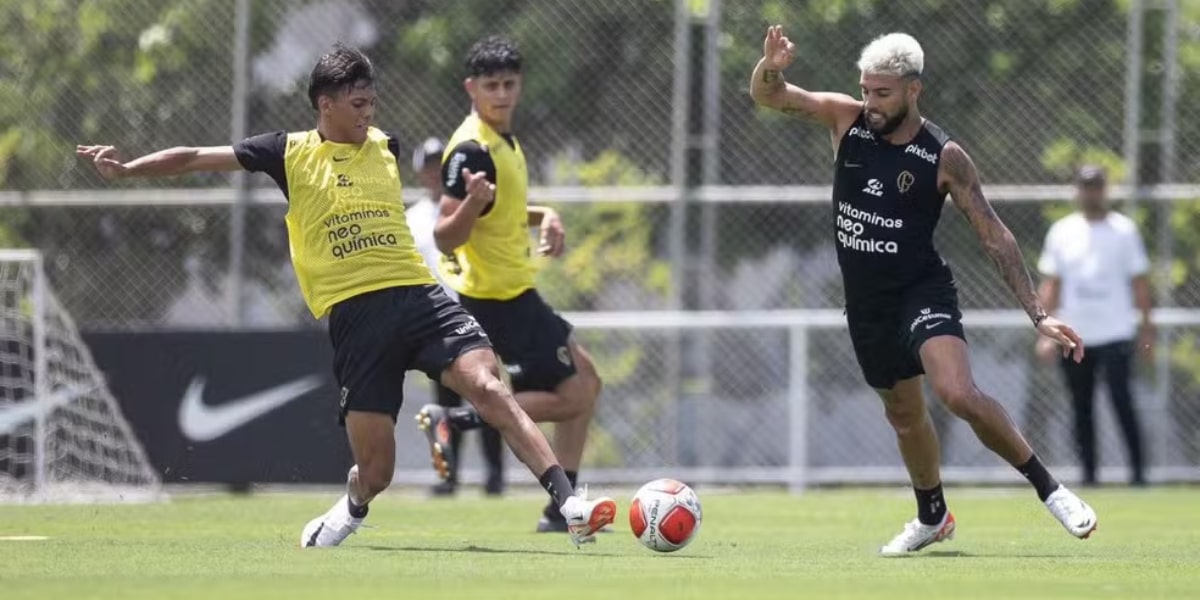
478 186
105 159
778 51
1069 341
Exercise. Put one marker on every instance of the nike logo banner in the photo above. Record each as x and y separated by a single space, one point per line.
228 407
202 422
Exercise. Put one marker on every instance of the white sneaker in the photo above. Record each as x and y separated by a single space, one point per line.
333 527
917 535
586 517
1074 514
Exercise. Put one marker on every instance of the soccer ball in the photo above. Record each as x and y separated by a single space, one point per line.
665 515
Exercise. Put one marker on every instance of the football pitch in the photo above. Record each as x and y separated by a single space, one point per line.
751 545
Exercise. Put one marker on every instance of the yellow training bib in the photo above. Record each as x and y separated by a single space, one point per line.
495 262
346 226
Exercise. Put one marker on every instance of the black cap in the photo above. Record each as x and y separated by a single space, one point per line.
429 150
1091 175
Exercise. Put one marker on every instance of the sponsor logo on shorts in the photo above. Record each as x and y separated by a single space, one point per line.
469 326
345 394
564 355
928 315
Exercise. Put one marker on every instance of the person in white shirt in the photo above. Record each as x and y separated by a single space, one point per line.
1095 276
422 216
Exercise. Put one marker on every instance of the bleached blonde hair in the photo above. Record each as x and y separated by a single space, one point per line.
897 54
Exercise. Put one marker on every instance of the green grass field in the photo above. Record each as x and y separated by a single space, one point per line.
760 545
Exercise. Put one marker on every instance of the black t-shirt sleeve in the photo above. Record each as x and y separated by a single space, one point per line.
264 154
467 155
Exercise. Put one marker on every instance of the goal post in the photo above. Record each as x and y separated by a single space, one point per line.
63 437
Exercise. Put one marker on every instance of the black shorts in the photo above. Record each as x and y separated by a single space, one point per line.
887 332
532 340
378 336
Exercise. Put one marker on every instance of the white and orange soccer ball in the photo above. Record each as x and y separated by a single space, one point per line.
665 515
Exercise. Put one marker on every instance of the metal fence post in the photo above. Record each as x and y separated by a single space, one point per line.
237 131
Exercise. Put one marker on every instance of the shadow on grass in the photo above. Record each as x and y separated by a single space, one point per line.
961 554
473 549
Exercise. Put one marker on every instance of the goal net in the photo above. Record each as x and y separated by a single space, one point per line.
62 435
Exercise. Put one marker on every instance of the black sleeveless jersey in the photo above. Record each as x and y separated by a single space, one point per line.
886 205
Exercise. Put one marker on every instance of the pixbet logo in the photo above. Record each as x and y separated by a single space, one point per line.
859 132
921 153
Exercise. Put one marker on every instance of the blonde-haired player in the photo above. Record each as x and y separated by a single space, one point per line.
893 170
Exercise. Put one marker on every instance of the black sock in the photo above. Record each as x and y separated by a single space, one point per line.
931 505
1042 480
357 511
465 418
557 485
551 510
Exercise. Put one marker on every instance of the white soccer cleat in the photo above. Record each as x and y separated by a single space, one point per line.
1074 514
331 528
586 517
917 535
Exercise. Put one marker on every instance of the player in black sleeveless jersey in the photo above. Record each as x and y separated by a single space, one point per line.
893 170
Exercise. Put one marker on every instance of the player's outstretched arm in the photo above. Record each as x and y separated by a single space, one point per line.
768 88
164 163
958 176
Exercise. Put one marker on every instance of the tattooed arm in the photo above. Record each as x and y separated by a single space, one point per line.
768 88
957 176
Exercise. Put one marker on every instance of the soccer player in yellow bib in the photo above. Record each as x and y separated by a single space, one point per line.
356 263
487 259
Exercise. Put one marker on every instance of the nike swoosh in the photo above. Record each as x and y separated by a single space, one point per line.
341 158
201 422
932 325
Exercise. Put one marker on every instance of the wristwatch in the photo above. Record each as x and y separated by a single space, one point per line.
1039 317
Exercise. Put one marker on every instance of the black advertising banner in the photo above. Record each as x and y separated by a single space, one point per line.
229 407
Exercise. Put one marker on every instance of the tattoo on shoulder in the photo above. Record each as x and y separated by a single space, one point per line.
957 164
770 76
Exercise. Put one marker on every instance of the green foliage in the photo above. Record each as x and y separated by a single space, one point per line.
607 242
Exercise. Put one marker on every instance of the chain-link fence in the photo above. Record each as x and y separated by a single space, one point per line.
1031 89
693 197
786 402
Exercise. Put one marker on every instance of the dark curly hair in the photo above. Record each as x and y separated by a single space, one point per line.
493 55
341 69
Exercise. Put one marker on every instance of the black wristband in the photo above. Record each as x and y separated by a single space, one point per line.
1038 318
